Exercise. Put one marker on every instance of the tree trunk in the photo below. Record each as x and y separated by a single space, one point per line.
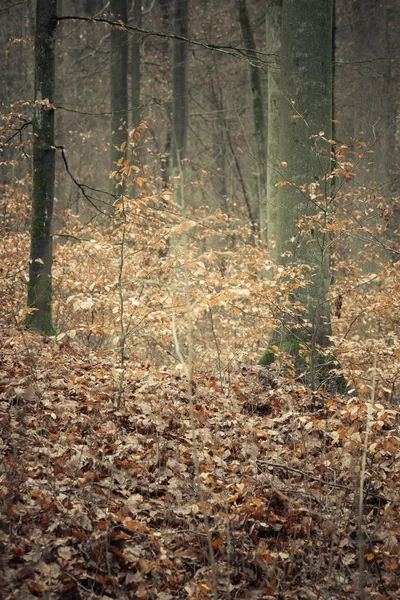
41 253
374 108
305 111
136 84
374 123
137 22
119 91
180 90
258 111
273 20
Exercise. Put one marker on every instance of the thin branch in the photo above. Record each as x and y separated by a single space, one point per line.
12 5
17 131
309 477
80 185
225 49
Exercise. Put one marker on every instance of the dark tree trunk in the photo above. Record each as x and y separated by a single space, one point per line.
137 22
258 111
179 85
41 254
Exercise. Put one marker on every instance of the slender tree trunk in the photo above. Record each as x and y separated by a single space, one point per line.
119 91
258 111
136 59
41 255
374 108
374 125
136 84
306 111
273 20
180 88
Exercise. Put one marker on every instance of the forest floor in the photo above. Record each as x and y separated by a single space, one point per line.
104 503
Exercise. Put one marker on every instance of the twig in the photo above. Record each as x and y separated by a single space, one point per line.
18 131
12 5
122 350
361 540
79 185
309 477
225 49
77 582
189 374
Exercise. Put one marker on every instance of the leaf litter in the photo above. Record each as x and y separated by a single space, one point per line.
100 503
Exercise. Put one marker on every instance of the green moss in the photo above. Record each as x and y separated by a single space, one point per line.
290 345
267 357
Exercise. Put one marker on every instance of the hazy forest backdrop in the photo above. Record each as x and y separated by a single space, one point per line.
200 295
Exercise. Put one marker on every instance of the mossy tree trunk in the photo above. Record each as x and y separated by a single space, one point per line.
41 253
119 90
273 23
305 112
258 110
180 92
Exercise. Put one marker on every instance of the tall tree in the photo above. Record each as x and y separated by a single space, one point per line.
180 87
374 98
41 254
305 112
136 83
119 87
374 124
137 22
273 22
258 110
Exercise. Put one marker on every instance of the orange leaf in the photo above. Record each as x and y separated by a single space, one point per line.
141 591
369 556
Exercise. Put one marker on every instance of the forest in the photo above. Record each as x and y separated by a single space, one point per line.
199 299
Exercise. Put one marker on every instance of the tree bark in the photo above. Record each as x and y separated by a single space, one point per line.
273 22
305 112
374 108
136 58
136 88
258 111
41 253
119 91
374 127
180 88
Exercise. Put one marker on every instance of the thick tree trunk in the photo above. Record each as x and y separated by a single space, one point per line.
119 90
306 111
41 254
180 89
258 111
273 21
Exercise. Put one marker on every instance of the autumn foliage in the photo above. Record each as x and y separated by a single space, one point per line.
103 503
99 502
101 430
